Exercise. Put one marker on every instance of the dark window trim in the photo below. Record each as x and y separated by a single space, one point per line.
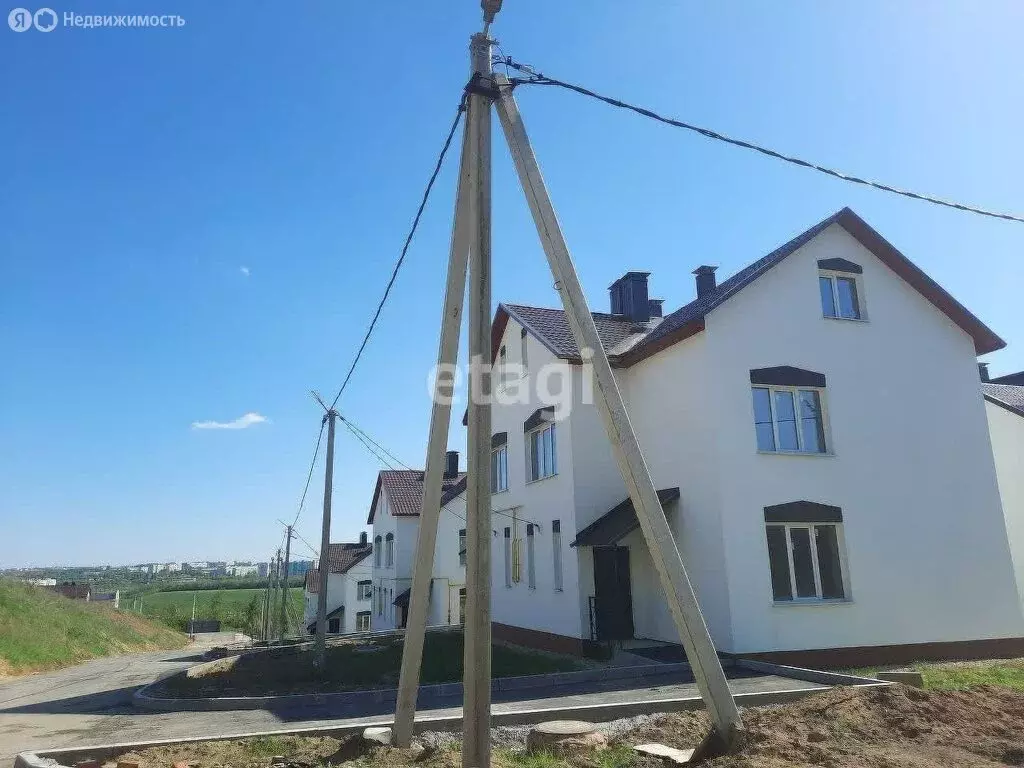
539 417
803 512
786 376
840 265
499 439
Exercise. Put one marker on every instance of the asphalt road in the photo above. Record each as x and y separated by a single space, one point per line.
91 704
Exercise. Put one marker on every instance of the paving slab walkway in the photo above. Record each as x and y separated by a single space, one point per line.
91 704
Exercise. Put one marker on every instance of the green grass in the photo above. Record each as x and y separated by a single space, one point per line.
958 676
234 608
617 756
42 630
266 746
354 666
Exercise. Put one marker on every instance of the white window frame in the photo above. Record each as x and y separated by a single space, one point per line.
377 546
363 621
840 553
364 590
463 549
389 550
833 277
499 472
795 392
539 432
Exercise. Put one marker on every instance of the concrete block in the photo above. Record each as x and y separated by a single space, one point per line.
907 677
666 753
380 735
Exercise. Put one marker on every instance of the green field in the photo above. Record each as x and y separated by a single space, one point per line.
41 630
238 609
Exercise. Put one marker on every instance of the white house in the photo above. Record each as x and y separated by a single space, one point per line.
1004 406
394 515
817 432
348 589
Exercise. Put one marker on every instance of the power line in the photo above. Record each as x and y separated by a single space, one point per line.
405 248
536 78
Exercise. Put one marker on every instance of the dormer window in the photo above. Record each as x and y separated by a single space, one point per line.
837 282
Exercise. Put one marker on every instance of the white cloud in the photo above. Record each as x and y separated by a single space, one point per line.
244 271
246 420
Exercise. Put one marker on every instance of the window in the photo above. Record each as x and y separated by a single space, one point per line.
508 557
789 419
380 601
522 351
556 547
541 453
502 366
531 566
363 621
389 550
805 562
364 590
462 546
334 626
499 469
839 297
462 606
376 552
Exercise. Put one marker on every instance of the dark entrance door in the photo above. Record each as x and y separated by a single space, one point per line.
613 596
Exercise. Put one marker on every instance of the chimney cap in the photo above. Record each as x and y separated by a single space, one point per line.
705 269
628 275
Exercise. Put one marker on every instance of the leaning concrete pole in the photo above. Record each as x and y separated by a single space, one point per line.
476 705
440 414
682 600
320 648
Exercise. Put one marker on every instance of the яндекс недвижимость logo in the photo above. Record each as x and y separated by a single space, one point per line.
22 19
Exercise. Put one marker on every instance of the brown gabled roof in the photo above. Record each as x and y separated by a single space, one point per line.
551 328
1008 396
340 559
405 491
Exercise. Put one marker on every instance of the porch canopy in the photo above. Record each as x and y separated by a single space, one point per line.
336 613
402 601
619 522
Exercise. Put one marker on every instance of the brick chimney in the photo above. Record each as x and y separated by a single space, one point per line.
706 283
983 371
362 539
628 297
451 464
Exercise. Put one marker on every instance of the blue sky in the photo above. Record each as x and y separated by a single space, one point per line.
144 168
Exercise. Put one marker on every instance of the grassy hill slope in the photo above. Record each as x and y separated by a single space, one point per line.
41 630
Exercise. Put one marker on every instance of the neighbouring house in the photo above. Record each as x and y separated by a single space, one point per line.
348 589
395 517
816 430
1004 406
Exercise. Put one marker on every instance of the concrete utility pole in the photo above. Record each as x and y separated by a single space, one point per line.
276 567
430 507
320 656
476 743
284 592
682 601
266 602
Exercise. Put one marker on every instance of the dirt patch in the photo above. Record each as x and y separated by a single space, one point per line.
894 727
355 666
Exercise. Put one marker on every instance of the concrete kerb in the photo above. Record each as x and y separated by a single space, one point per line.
52 758
810 675
146 698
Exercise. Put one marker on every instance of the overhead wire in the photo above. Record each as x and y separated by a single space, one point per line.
537 78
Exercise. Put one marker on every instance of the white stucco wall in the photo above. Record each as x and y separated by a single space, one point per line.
543 608
1006 430
927 557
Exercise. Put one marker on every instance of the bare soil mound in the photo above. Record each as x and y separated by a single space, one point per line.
894 727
